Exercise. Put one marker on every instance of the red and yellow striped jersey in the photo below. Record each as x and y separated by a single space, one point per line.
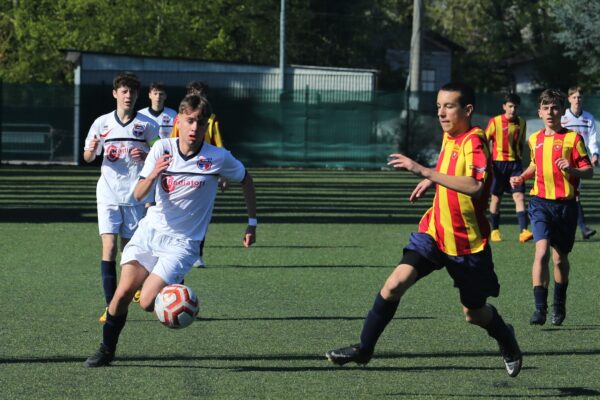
550 182
457 221
508 138
212 135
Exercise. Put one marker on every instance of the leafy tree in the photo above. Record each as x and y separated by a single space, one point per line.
577 31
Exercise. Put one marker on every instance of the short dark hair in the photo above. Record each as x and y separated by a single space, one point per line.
552 96
193 102
157 86
467 94
575 89
127 79
512 98
197 87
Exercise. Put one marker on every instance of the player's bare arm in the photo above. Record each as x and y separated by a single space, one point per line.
143 187
250 198
582 172
462 184
89 154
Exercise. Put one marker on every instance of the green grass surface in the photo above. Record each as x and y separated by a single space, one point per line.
326 242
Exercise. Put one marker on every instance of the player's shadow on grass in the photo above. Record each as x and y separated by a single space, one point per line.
550 392
575 328
297 266
304 318
291 318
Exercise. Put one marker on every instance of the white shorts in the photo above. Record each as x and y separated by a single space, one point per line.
119 220
169 257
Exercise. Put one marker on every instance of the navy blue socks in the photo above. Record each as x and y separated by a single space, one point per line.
377 319
111 330
108 269
497 327
495 220
522 218
560 293
540 296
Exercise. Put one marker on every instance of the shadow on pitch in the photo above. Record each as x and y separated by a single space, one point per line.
550 392
297 266
293 318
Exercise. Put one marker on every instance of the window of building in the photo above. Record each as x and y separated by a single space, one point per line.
428 80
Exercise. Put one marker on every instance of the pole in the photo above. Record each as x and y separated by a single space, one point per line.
1 120
415 46
282 47
76 114
414 72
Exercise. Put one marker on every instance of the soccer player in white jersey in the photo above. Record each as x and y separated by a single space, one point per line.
185 172
124 137
582 122
164 116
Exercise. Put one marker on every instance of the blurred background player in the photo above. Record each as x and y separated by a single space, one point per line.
582 122
212 136
213 133
184 172
124 137
453 234
164 116
558 161
506 134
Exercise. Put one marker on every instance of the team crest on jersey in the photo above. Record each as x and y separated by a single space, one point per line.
138 130
557 144
166 119
112 153
204 163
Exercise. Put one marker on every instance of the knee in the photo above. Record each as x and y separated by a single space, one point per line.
147 301
398 282
147 306
470 316
477 316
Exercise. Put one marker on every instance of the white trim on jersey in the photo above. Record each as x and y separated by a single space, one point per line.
119 172
585 125
186 191
165 120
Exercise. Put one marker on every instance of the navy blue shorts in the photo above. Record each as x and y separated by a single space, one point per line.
554 220
473 274
503 170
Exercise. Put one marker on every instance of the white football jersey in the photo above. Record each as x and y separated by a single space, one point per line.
585 125
186 191
120 172
165 120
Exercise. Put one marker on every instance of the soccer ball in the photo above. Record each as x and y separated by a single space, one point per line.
176 306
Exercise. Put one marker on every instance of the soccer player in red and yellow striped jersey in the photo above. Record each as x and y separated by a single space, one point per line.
506 134
453 234
558 161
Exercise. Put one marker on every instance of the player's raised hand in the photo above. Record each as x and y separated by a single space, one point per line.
420 190
249 236
93 144
161 165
